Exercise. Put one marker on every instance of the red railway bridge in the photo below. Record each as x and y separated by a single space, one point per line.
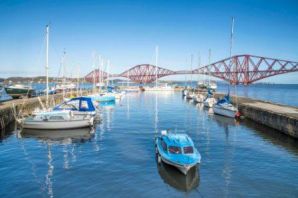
238 69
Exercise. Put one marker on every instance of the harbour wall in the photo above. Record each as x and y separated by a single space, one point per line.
277 116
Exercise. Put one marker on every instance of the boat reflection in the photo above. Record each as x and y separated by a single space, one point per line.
225 121
174 178
59 136
107 104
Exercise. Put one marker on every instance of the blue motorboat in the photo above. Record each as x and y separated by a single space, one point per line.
177 150
78 105
102 97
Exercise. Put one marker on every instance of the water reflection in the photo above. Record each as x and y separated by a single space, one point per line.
174 178
108 104
51 137
59 136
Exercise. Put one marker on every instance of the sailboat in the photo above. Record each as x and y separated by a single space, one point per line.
49 119
200 96
101 96
224 106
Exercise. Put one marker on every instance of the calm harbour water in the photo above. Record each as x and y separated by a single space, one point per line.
117 159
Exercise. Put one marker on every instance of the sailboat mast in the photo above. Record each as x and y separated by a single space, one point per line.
108 71
199 64
156 63
64 71
191 59
209 60
47 65
101 72
99 61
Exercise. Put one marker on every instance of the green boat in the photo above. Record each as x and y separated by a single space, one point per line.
19 91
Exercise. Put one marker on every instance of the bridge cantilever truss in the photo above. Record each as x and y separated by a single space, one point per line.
239 69
146 73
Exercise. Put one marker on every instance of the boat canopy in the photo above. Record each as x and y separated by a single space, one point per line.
179 140
225 99
77 104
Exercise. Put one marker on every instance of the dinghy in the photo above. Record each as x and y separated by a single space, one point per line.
224 107
177 150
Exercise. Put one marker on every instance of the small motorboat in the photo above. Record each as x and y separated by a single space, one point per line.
20 90
224 107
177 150
78 105
65 119
102 97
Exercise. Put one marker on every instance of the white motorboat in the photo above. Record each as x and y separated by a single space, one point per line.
209 102
190 95
160 87
199 98
225 108
57 120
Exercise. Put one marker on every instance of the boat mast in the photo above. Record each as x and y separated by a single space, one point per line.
191 59
47 65
63 70
156 63
99 74
231 47
209 60
199 65
108 71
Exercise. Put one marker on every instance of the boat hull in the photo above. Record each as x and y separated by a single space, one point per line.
224 112
209 102
182 168
69 124
19 92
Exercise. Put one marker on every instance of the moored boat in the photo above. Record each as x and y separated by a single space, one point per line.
20 90
177 150
102 97
224 107
57 120
209 100
78 105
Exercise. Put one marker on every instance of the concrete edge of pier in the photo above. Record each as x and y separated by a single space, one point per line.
283 118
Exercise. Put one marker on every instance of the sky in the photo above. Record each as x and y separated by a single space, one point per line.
127 31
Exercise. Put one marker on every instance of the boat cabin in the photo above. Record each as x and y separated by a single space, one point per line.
177 144
82 104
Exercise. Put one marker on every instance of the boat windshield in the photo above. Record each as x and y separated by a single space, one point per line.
188 149
174 150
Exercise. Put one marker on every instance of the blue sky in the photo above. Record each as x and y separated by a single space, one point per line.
127 32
